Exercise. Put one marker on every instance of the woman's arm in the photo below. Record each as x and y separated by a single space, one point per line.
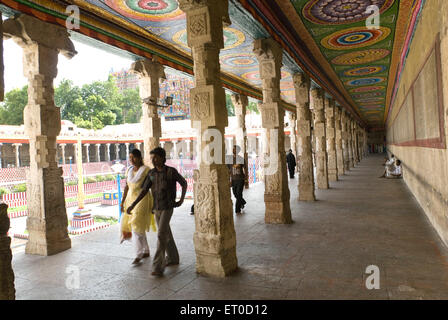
125 194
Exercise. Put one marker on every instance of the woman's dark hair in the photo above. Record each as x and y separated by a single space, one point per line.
137 154
159 152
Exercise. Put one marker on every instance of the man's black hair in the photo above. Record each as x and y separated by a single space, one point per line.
159 152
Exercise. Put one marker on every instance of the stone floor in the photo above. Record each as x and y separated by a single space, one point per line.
360 221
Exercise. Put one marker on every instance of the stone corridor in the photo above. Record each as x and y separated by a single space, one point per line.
360 221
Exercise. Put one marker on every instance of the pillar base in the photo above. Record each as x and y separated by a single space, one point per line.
38 245
307 194
278 210
333 177
219 262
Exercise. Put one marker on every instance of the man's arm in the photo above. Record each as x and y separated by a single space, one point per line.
181 180
147 183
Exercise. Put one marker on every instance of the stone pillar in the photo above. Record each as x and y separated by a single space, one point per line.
240 103
276 197
293 135
17 153
302 85
63 145
97 152
320 138
355 149
188 142
214 237
345 141
2 69
149 75
7 290
127 150
108 152
75 153
87 145
350 142
117 151
175 152
339 150
331 140
138 145
162 144
47 218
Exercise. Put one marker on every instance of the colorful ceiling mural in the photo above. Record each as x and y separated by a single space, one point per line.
359 54
164 19
329 39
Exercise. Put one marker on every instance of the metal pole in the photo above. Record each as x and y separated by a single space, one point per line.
119 196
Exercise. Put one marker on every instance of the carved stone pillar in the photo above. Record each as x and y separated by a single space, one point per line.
7 290
2 69
138 145
214 237
127 150
107 152
320 138
117 151
149 75
97 152
270 54
63 145
339 149
17 154
351 152
87 145
292 128
302 85
47 218
331 140
240 103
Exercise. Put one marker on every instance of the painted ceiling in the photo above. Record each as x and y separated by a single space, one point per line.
329 39
164 19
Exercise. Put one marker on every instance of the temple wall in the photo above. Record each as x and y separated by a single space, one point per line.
417 123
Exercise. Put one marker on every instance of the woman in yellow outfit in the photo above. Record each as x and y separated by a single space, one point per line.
141 219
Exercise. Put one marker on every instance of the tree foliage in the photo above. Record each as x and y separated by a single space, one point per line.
11 110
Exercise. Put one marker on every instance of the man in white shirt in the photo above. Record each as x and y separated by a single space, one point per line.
389 166
396 173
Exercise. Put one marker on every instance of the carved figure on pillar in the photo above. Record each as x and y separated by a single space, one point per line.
276 197
320 137
214 237
47 218
302 85
149 75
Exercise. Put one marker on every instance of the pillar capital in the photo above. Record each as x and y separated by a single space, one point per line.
149 73
302 85
240 103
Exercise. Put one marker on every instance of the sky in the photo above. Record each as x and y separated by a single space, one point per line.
88 65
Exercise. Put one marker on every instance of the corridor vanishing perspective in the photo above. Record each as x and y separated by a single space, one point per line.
355 90
324 254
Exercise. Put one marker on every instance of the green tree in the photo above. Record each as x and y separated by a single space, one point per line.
11 110
230 106
252 106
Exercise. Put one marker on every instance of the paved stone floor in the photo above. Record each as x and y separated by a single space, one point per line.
360 221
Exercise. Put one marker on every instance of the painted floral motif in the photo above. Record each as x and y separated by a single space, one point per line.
335 12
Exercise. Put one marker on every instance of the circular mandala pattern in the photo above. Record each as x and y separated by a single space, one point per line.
365 81
368 95
239 60
357 37
364 71
367 89
149 10
255 75
232 38
335 12
361 57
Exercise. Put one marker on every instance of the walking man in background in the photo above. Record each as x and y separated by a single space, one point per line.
237 176
291 161
162 182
